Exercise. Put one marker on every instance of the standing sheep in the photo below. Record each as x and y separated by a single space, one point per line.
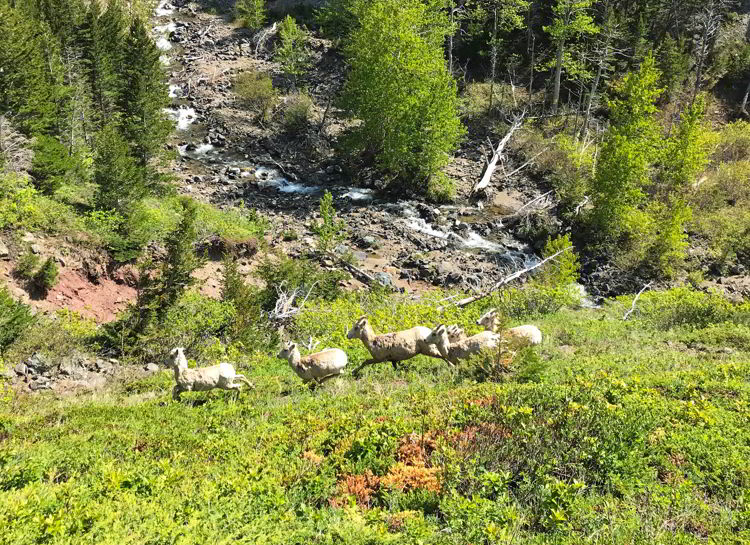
317 367
393 347
220 376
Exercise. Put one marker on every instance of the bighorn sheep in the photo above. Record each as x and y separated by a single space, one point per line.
523 335
220 376
317 367
393 347
462 349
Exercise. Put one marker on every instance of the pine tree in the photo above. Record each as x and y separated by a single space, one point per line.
252 13
50 164
119 177
143 96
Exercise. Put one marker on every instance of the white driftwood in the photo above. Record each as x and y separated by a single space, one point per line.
468 300
635 300
484 182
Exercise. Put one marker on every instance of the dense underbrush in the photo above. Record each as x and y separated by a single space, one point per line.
612 431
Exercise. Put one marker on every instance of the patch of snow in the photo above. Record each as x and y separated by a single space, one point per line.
359 194
175 91
183 115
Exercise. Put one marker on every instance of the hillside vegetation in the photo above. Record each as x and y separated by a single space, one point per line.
615 431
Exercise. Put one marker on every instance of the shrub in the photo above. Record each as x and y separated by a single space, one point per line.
297 112
690 308
27 265
727 334
252 13
255 90
47 276
441 188
292 53
15 317
329 230
23 207
289 274
734 143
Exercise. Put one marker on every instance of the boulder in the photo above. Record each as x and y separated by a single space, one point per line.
4 252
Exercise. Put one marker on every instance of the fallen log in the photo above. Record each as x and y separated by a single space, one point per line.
484 182
502 282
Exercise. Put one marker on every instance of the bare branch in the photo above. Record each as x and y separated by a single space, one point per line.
635 300
508 279
484 182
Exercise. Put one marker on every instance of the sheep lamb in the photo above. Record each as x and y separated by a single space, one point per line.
522 335
463 348
221 376
394 347
317 367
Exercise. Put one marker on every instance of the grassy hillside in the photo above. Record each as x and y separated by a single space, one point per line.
611 432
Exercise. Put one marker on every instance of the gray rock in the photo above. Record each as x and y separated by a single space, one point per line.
41 384
151 368
4 252
21 369
384 279
36 249
369 241
103 365
38 362
341 249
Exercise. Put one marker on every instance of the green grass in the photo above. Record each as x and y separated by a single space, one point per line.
636 432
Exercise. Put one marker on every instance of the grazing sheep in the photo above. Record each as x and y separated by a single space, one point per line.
317 367
462 349
220 376
523 335
393 347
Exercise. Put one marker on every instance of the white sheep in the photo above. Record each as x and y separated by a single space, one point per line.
393 347
201 379
463 348
317 367
522 335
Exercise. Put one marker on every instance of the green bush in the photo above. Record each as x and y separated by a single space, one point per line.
685 307
23 207
329 229
255 90
290 274
27 265
251 13
441 188
734 143
15 317
47 276
725 335
297 113
292 53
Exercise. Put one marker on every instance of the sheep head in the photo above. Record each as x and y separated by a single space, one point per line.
287 350
455 333
489 319
177 358
439 337
358 328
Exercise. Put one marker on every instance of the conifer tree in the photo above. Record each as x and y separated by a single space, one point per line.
120 179
143 95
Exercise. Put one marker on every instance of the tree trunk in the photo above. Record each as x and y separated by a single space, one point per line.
594 88
743 107
494 58
558 76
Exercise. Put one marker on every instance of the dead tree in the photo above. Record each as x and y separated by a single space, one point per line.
497 156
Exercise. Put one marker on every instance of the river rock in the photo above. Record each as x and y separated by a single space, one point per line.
38 363
369 241
4 252
384 279
21 369
41 383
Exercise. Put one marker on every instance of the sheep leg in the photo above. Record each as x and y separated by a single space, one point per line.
355 373
242 378
176 392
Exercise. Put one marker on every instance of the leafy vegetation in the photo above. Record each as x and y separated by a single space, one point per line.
613 442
